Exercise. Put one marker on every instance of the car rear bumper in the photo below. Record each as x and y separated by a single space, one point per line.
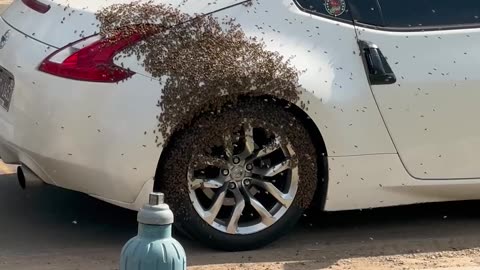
91 137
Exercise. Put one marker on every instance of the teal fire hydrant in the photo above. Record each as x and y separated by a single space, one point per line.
154 248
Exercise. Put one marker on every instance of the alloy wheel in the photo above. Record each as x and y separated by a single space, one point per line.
245 185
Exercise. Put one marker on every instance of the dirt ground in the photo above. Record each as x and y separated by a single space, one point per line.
3 4
49 228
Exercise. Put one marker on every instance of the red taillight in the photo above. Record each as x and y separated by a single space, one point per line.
93 62
37 6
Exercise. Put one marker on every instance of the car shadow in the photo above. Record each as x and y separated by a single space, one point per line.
52 220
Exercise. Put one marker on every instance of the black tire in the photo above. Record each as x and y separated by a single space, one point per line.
172 173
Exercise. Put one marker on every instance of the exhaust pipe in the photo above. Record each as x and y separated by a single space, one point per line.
27 178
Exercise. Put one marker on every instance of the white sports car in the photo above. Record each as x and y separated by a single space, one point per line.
244 113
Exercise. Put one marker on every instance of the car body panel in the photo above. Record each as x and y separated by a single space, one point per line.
334 88
82 136
363 182
70 20
431 111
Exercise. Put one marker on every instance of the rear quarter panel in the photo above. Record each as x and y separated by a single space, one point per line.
70 20
334 85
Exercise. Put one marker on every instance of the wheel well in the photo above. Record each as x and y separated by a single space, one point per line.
315 136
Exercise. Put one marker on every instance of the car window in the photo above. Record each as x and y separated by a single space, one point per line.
416 13
335 9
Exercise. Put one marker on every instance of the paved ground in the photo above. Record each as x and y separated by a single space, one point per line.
50 228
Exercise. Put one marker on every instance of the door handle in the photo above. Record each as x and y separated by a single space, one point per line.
379 71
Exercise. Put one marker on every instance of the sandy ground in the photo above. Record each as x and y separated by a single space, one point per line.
51 228
3 4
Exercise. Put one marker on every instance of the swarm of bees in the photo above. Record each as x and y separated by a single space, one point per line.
192 148
213 79
202 62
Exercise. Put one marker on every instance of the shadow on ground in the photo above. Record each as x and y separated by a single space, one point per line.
58 224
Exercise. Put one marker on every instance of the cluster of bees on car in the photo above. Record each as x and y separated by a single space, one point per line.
208 67
203 62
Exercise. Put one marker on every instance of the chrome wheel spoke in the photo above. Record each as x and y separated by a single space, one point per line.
196 183
203 161
272 171
210 215
207 183
232 226
267 150
217 162
228 144
265 215
249 142
285 199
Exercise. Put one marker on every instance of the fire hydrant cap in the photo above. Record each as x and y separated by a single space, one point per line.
155 212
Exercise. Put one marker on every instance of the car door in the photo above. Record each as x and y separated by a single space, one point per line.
423 59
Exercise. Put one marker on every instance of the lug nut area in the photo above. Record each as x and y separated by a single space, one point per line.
236 160
225 172
247 182
232 185
249 167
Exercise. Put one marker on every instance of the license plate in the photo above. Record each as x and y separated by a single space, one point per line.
7 83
